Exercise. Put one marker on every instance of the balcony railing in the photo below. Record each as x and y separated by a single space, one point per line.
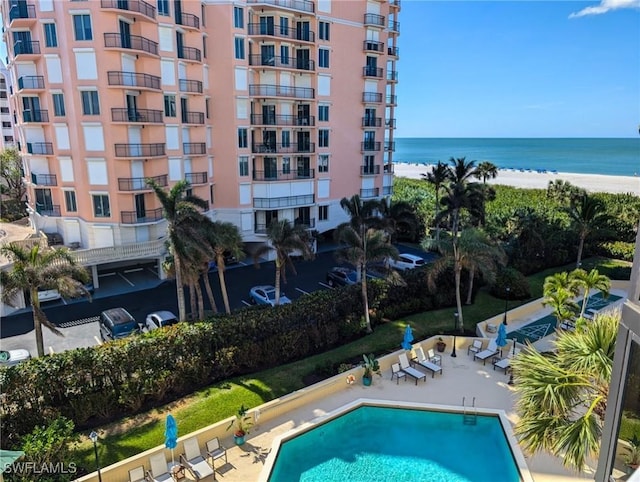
373 46
42 148
44 179
388 168
22 11
301 5
370 146
277 148
194 148
140 183
140 150
268 90
373 19
372 72
133 79
394 3
282 120
31 82
367 193
35 116
285 62
390 146
305 223
133 42
370 170
392 75
48 209
282 202
371 121
188 20
148 216
26 47
187 85
196 177
281 32
394 26
192 117
145 116
138 6
373 97
387 190
392 99
395 51
390 123
146 249
190 53
284 175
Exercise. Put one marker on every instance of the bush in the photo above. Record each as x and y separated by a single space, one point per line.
518 285
616 250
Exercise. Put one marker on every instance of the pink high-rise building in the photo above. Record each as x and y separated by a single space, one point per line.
271 109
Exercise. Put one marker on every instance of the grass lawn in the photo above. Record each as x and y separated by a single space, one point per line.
128 437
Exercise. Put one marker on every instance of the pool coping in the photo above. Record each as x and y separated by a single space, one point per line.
514 446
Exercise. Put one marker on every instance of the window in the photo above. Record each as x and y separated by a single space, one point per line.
238 17
3 94
206 107
286 165
204 46
101 207
323 138
170 106
239 48
323 30
284 54
211 197
323 58
90 105
284 26
8 138
4 110
163 7
6 124
323 113
70 201
82 27
323 213
50 35
58 105
323 163
243 165
242 138
286 139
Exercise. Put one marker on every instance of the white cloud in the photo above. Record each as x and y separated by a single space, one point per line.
606 6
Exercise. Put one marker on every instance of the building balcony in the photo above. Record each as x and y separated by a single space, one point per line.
393 51
131 6
392 75
22 15
194 148
282 62
390 123
133 79
299 5
282 120
140 183
130 42
373 19
48 210
147 216
140 150
263 30
372 72
394 26
190 53
40 148
193 118
372 97
261 228
44 179
392 100
290 148
371 170
268 90
282 202
369 193
31 82
285 175
193 86
39 116
387 190
189 20
388 168
372 46
370 146
371 121
137 116
389 146
26 49
196 177
146 249
394 3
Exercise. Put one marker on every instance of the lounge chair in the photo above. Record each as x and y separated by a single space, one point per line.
216 451
505 363
425 362
409 370
397 372
492 350
433 358
137 475
475 347
193 460
159 471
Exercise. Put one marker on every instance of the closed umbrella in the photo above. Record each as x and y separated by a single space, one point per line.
171 435
501 339
408 338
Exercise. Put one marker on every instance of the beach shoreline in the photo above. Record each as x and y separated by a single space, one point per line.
531 179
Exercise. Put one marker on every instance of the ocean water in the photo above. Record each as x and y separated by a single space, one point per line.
619 157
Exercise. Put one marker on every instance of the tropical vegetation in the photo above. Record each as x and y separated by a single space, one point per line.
12 186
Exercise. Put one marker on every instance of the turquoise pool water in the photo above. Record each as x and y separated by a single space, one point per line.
380 444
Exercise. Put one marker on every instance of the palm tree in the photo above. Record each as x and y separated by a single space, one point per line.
460 194
397 216
438 176
183 216
561 281
563 304
564 192
562 394
285 238
39 268
362 215
589 218
486 170
225 238
589 281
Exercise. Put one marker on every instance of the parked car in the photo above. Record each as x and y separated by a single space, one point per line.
266 295
406 261
159 319
337 276
13 357
117 323
229 259
48 295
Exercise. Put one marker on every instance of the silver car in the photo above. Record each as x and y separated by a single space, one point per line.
158 319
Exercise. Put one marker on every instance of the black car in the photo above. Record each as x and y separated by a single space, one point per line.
341 277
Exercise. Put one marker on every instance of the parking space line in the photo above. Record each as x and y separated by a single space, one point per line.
325 285
152 271
63 300
134 270
302 291
51 352
123 277
98 341
106 274
244 302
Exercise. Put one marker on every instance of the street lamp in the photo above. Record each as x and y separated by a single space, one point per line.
455 327
94 438
510 382
506 305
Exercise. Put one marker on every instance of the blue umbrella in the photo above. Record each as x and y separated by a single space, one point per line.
171 435
501 339
408 338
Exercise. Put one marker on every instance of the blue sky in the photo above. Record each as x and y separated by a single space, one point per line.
519 69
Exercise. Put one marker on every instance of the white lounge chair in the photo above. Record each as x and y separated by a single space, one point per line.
475 347
425 362
193 460
397 372
505 363
492 350
137 475
433 358
409 370
159 471
216 451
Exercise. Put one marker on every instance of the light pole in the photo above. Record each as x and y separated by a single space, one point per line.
506 305
94 438
455 327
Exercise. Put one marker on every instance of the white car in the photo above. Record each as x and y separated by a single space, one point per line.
266 295
48 295
159 319
13 357
406 261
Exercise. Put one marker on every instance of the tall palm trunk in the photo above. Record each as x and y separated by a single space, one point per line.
277 286
365 301
457 267
585 301
35 304
207 287
182 309
223 282
580 248
472 275
437 213
192 300
198 289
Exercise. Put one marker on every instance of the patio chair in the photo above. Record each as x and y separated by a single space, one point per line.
409 370
193 460
216 451
492 350
137 475
433 358
505 363
425 362
475 347
159 471
397 372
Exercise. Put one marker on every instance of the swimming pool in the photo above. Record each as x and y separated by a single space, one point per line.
382 441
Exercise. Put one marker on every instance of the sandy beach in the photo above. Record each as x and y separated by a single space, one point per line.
540 180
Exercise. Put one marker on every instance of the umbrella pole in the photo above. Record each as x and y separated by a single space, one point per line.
173 462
